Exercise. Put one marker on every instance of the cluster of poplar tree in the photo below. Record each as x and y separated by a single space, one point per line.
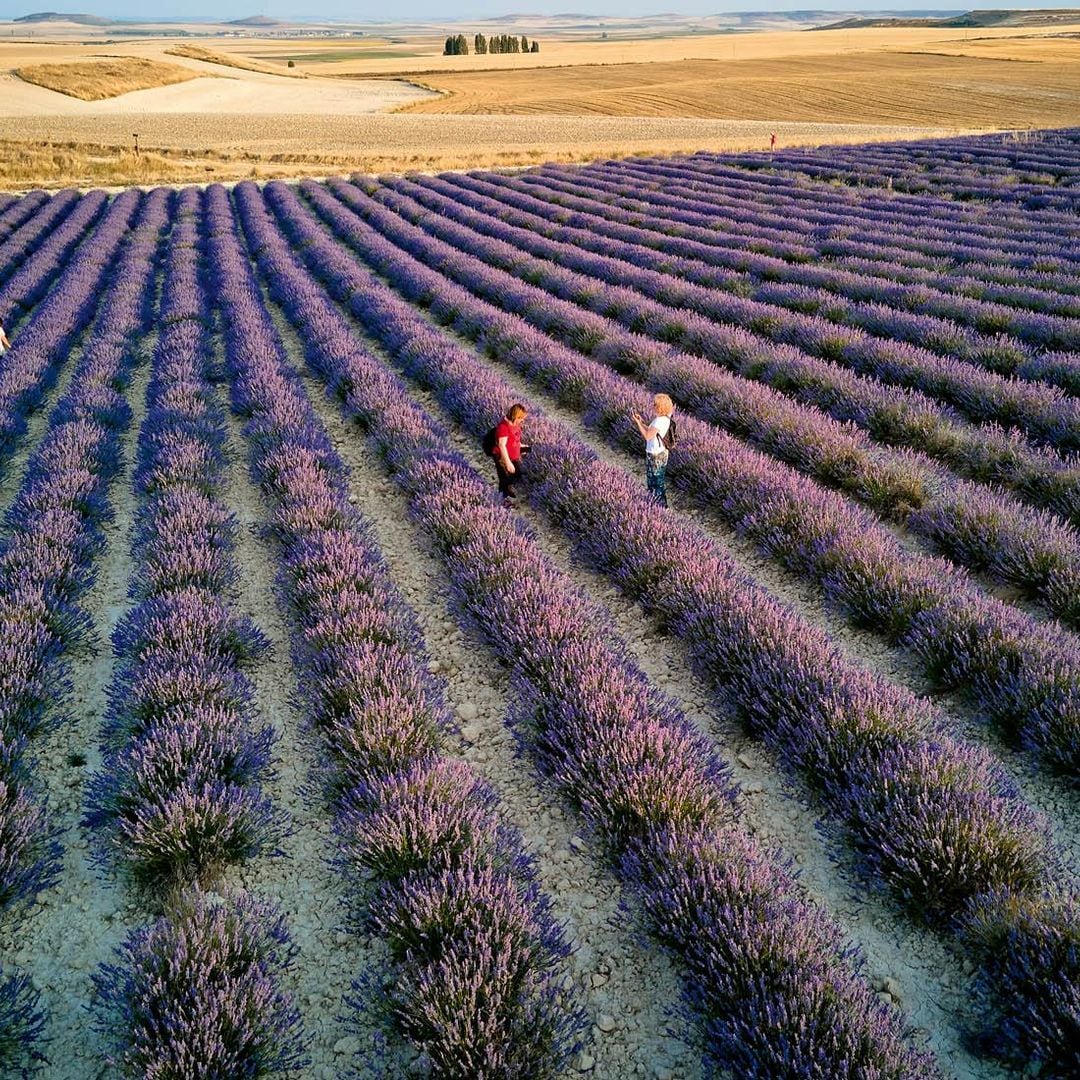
458 44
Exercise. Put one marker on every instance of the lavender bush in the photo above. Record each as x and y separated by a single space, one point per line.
21 1025
1030 946
196 995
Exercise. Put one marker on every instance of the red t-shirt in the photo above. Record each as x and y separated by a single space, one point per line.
512 434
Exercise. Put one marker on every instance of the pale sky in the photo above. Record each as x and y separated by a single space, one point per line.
429 10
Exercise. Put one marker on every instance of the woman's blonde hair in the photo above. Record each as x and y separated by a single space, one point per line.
663 404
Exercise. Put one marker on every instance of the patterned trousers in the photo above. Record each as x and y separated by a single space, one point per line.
656 476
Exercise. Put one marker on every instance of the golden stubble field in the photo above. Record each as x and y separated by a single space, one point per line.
883 87
382 104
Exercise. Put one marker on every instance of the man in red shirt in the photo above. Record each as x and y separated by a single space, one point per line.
507 452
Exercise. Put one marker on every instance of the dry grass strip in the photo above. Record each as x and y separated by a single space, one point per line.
209 56
28 163
95 80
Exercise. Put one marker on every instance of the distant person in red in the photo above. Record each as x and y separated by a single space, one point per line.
772 141
508 449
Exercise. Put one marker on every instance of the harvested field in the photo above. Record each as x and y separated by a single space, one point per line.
907 88
229 98
96 80
210 56
564 51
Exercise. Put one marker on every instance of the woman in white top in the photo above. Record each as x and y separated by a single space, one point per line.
4 343
656 453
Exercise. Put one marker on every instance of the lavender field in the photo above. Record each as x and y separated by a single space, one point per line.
320 761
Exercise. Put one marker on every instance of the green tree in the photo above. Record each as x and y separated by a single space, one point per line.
535 46
480 45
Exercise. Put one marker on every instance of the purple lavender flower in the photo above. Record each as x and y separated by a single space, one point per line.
198 994
21 1025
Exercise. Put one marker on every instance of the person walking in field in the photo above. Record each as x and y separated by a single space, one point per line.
659 436
772 141
4 343
506 448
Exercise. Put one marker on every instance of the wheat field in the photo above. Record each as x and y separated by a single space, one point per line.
96 80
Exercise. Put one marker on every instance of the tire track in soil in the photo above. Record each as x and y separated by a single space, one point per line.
76 924
628 987
301 881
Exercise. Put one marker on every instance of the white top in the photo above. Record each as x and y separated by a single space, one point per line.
654 445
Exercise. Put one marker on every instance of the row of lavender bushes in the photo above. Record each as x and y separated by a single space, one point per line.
974 525
914 229
935 821
18 245
660 800
36 357
739 297
1044 292
434 869
964 639
48 255
198 991
179 795
892 415
46 562
1043 413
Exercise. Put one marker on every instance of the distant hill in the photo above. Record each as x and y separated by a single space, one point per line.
255 20
59 16
1004 17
